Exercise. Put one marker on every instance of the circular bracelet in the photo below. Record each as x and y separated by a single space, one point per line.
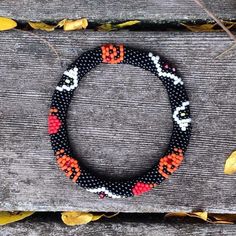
165 166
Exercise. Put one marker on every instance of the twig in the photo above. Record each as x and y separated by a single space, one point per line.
227 50
218 21
44 40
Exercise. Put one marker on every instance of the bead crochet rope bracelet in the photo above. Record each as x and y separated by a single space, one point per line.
165 166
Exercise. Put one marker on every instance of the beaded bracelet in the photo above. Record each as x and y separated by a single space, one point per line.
166 165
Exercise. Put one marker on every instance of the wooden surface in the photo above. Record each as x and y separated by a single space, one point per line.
106 10
119 122
36 228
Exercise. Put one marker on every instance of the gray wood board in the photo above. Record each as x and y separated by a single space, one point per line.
106 10
108 228
119 122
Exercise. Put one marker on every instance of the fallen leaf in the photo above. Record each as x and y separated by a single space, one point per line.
72 218
7 217
42 26
75 24
208 217
208 27
66 24
230 164
223 218
200 28
7 24
106 27
97 217
61 23
201 215
110 27
127 24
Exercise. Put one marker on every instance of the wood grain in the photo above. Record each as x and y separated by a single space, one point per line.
119 228
119 122
110 10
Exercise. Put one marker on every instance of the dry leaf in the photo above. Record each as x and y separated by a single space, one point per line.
175 214
106 27
97 217
72 218
200 28
7 24
127 24
110 27
211 218
75 24
61 23
223 218
9 217
208 27
230 164
201 215
66 24
42 26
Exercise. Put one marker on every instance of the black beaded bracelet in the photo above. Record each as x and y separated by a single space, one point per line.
166 165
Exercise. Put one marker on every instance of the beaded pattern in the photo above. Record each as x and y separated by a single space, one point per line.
166 165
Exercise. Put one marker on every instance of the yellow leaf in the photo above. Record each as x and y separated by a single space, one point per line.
106 27
209 26
127 23
9 217
110 27
61 23
72 218
202 215
223 218
97 217
230 164
200 28
75 24
7 24
42 26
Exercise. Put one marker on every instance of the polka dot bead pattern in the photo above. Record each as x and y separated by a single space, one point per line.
165 166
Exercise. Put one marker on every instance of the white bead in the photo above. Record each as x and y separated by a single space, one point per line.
150 54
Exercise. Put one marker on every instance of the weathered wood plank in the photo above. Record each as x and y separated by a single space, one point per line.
105 10
123 228
119 122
